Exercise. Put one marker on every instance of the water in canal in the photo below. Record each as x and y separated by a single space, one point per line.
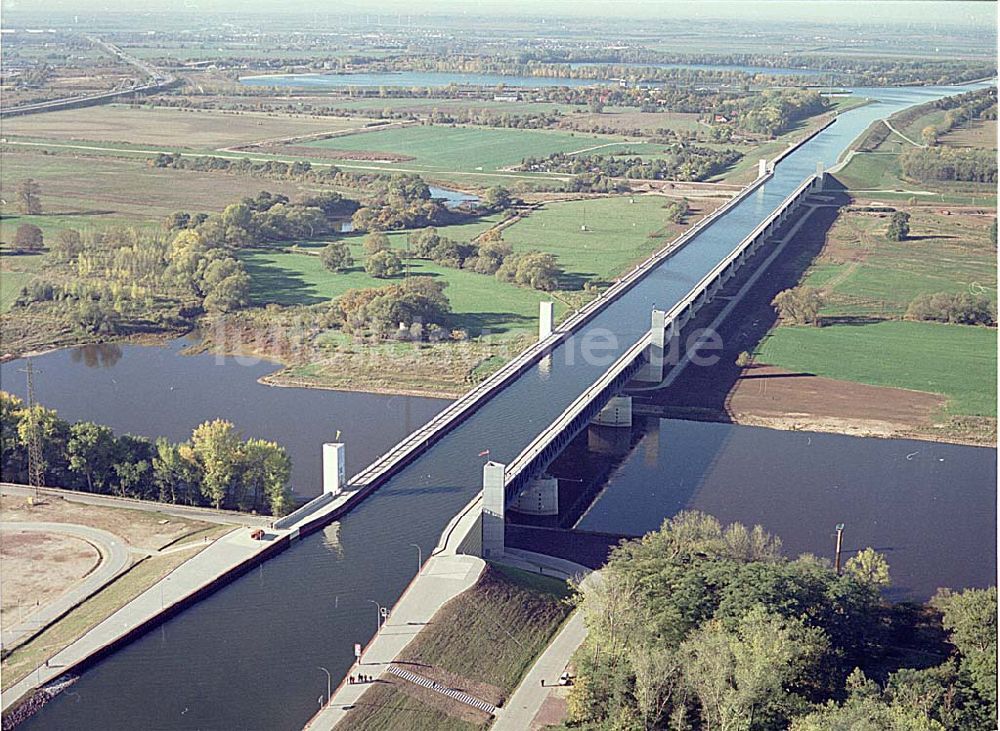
248 656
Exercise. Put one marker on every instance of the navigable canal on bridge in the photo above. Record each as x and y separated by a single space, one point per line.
247 657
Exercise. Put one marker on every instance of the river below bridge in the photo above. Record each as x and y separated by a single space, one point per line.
248 656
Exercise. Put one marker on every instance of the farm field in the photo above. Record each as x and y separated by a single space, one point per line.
878 174
617 233
864 274
623 121
981 133
166 127
85 192
956 361
462 149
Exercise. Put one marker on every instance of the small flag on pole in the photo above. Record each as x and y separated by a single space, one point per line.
485 453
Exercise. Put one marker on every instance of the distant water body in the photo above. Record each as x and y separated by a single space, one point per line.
409 79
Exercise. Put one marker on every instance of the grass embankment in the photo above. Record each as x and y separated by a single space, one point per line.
483 640
877 172
867 284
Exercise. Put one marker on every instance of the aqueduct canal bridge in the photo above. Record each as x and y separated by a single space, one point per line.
247 656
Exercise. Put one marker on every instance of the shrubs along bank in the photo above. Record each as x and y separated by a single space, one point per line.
216 467
698 626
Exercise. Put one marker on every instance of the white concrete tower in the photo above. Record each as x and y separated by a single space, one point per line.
334 467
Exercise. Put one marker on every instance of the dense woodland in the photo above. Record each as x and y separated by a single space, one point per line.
216 467
697 626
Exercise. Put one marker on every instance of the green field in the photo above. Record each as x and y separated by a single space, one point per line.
956 361
863 273
446 148
616 235
479 302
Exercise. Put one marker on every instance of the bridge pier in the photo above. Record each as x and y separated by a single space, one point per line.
761 168
540 497
653 370
545 318
617 412
494 509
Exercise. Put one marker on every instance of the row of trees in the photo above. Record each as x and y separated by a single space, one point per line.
215 467
490 255
970 165
962 308
981 104
677 161
703 627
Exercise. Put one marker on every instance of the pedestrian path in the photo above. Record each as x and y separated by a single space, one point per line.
445 575
457 695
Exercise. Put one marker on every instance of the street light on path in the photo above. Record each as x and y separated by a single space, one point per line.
420 557
378 615
329 684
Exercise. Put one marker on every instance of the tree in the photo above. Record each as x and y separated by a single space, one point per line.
899 226
423 242
970 617
229 294
383 264
13 455
870 567
336 256
266 470
69 243
216 446
497 198
533 269
91 452
28 238
376 241
742 673
798 306
29 197
744 359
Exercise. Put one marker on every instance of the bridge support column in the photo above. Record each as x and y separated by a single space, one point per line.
545 318
761 168
334 468
820 175
540 497
494 509
653 370
618 412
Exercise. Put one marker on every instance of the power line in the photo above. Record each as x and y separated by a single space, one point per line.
35 465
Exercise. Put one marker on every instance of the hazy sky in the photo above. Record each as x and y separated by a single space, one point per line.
904 11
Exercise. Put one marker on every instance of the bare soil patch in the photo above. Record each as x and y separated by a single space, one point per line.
765 394
150 531
38 567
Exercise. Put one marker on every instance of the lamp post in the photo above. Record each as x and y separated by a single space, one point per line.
378 615
420 557
840 543
329 684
